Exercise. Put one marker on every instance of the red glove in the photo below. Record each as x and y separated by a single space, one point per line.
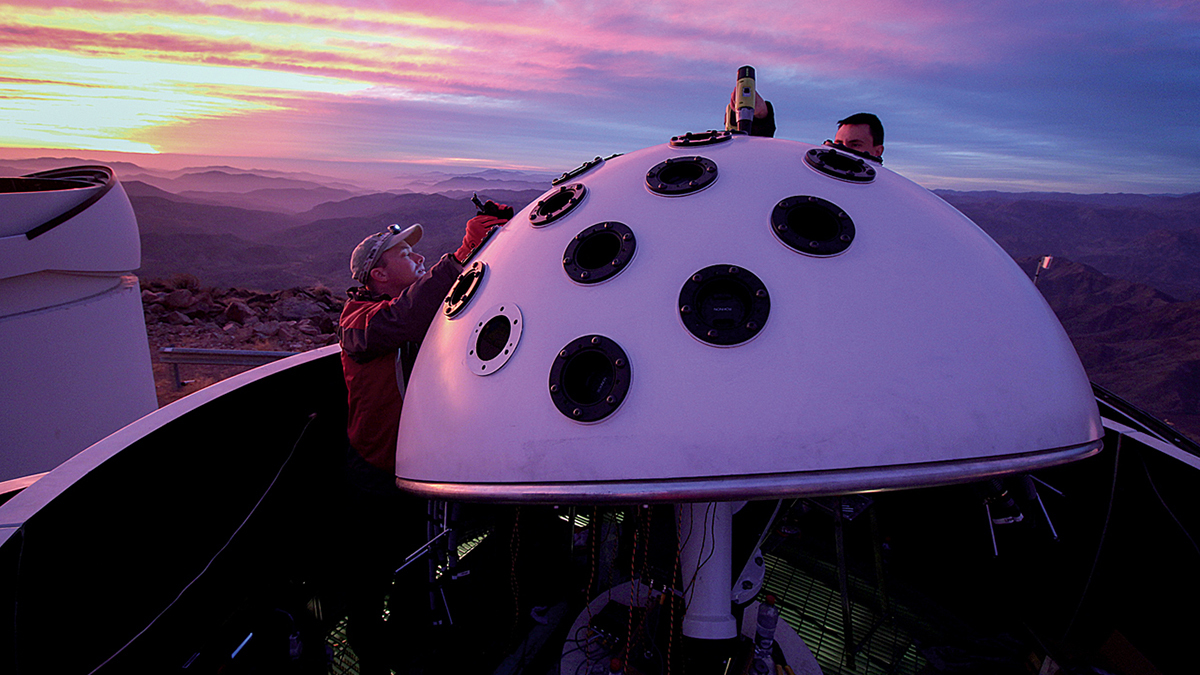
477 228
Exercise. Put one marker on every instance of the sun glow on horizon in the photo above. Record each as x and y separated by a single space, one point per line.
68 101
531 83
134 76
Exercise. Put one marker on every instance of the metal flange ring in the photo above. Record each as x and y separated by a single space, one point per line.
724 305
589 378
812 226
464 288
494 339
599 252
840 165
681 176
557 204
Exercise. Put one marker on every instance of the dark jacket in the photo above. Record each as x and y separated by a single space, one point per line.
375 331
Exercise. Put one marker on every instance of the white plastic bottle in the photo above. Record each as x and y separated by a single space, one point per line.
764 636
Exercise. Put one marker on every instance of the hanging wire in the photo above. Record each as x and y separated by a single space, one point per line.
514 546
708 510
633 583
228 541
1112 495
671 597
594 563
1167 508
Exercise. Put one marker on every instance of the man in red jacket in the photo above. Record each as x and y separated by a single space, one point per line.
380 330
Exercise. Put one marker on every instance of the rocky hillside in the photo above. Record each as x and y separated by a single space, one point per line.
180 313
1134 340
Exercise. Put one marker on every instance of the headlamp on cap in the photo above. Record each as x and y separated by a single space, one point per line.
367 254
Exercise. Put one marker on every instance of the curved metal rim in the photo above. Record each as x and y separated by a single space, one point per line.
762 486
99 176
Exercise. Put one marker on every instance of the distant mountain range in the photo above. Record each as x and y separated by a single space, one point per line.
1125 282
232 238
1152 239
1132 339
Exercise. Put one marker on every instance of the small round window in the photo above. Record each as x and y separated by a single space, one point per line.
709 137
494 339
589 378
812 226
464 289
681 176
557 204
840 165
599 252
724 305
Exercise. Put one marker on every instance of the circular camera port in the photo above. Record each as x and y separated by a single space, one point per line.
724 305
681 175
812 226
599 252
494 339
840 165
557 204
589 378
464 289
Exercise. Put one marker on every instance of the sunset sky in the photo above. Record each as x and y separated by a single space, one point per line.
1099 96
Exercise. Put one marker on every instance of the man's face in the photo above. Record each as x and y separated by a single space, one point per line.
400 267
858 137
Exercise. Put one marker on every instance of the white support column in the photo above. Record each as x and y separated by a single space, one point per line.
706 538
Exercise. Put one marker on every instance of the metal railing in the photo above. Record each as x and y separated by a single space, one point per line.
215 357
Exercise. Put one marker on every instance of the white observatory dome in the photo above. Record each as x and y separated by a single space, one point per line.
728 317
75 364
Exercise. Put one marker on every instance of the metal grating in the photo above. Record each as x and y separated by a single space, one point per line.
814 610
343 660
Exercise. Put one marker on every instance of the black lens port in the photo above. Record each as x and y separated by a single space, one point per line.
589 378
464 289
557 204
812 226
681 175
724 305
599 252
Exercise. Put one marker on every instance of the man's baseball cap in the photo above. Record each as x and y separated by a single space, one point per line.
367 253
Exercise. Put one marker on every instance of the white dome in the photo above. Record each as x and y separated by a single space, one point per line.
777 319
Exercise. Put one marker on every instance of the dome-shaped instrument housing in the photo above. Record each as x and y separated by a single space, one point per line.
782 327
